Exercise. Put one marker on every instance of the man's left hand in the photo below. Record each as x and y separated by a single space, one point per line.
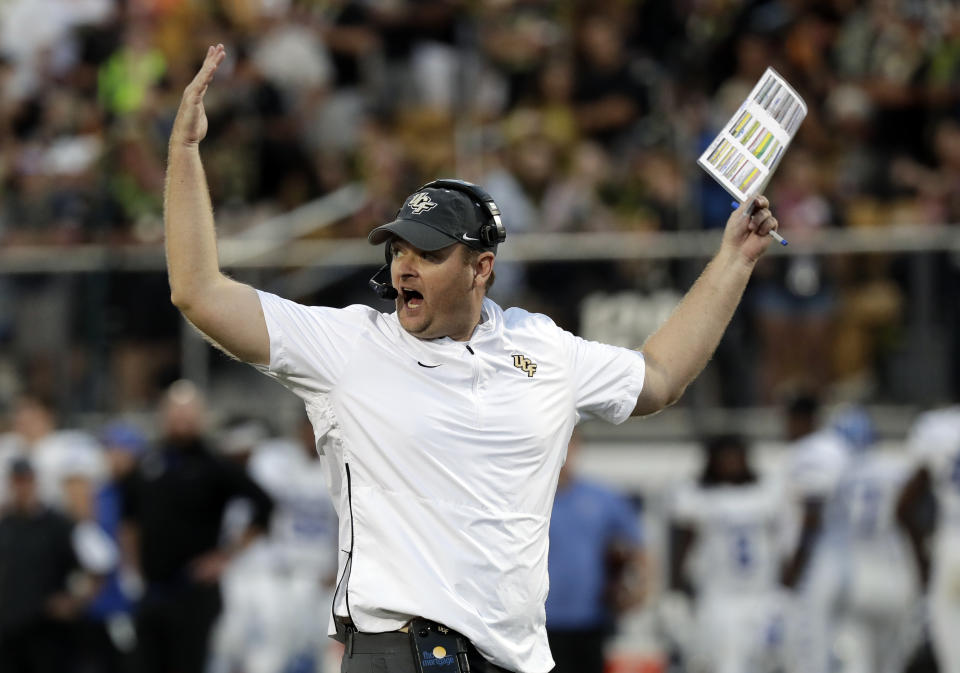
749 234
208 568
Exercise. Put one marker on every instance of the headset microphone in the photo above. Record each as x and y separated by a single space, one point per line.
380 283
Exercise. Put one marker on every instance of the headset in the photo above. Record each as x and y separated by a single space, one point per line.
492 232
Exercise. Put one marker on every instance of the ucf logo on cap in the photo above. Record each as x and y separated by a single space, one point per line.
420 203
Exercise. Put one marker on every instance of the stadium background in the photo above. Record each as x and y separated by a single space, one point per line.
583 120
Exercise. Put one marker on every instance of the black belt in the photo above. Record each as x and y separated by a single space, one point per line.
398 643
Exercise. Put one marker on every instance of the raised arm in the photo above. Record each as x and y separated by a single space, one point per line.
226 311
683 345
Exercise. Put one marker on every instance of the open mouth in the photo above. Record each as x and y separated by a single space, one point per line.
411 298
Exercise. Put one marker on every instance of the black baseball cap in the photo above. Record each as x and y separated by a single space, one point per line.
435 217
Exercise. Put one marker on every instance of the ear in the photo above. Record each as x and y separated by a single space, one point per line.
482 268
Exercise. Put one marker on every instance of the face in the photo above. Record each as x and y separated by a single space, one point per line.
732 463
79 497
440 291
120 461
23 490
32 420
183 412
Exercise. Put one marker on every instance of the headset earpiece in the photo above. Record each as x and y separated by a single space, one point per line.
492 232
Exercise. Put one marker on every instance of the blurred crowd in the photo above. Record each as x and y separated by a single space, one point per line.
193 542
185 545
576 116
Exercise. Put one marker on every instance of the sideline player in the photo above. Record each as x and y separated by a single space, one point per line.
280 589
445 423
934 444
727 555
879 591
816 462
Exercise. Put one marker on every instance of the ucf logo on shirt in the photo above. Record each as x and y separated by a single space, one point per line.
525 364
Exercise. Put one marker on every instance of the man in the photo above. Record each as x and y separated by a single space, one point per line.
51 450
109 615
172 513
596 566
44 585
817 461
445 423
726 556
280 589
934 446
876 622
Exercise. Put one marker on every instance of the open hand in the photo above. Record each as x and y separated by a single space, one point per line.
190 125
208 568
749 234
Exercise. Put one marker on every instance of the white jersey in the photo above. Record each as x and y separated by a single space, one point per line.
879 578
443 459
277 595
816 466
867 498
740 610
737 545
303 529
934 441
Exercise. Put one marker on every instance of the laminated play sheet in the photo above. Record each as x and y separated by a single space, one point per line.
746 152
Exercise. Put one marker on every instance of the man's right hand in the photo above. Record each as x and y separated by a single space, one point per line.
190 126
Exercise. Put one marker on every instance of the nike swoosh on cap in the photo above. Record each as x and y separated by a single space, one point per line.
427 366
468 238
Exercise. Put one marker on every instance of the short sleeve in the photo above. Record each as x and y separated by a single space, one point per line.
624 522
934 439
310 345
817 466
94 549
685 505
607 379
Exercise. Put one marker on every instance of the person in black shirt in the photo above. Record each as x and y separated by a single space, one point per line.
172 514
42 586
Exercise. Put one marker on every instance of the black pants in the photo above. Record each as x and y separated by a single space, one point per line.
391 653
173 629
39 647
95 651
578 651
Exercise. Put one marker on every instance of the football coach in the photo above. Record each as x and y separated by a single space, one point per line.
444 423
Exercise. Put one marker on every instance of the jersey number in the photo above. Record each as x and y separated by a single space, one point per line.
955 472
742 552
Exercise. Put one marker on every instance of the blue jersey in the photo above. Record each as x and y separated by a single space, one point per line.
587 519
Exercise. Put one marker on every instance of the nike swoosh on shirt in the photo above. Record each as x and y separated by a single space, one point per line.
427 366
468 238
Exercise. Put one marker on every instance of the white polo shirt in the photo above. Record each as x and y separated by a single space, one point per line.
443 460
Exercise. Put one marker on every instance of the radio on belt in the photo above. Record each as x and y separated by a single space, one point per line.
437 649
